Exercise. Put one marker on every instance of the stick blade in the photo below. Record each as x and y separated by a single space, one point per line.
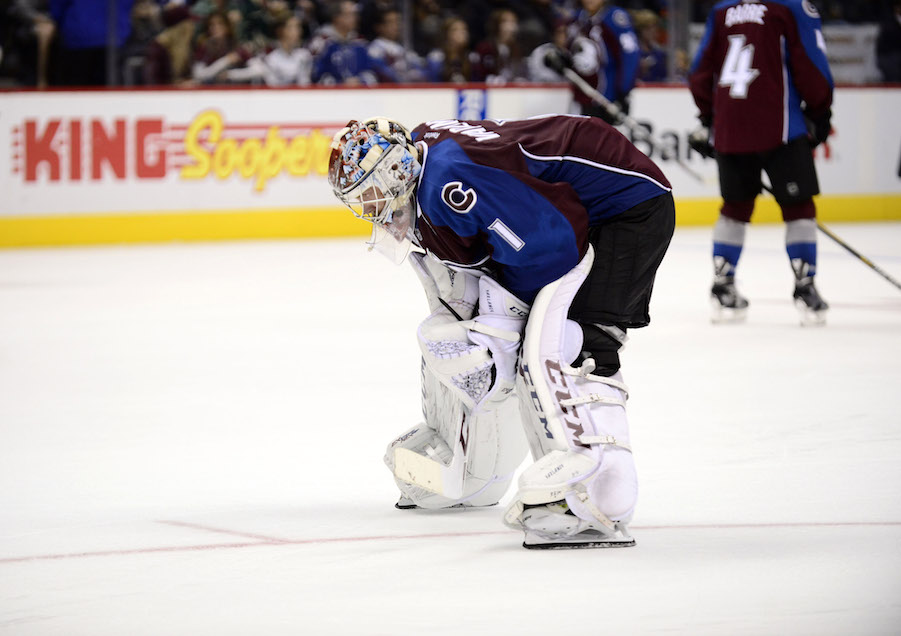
428 474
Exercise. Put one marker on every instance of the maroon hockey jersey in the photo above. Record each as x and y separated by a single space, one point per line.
759 68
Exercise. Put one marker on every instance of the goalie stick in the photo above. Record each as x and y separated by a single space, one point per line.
431 474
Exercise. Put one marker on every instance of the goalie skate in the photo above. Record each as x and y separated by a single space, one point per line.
553 527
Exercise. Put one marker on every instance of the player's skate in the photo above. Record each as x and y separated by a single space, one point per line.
726 303
808 301
553 526
809 304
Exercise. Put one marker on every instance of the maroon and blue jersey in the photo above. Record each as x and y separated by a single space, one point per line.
756 64
612 30
518 196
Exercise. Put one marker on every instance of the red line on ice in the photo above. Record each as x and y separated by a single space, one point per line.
248 535
269 541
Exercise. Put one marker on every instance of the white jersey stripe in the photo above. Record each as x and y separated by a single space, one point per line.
593 164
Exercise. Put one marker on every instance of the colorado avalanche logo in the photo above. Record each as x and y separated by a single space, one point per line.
809 9
621 18
458 199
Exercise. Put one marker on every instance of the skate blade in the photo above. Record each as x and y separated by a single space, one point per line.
725 315
577 545
620 538
809 317
406 504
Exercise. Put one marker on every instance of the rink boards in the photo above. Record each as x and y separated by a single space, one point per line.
90 167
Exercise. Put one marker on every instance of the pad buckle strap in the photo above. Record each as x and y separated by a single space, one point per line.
585 371
606 440
494 332
595 511
592 398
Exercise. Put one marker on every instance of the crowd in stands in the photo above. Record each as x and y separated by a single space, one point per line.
327 42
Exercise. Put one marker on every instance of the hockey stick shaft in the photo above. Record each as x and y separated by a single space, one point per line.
627 121
860 256
825 230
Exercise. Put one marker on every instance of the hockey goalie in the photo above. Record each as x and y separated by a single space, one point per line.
537 243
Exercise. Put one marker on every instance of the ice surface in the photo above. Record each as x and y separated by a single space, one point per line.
191 441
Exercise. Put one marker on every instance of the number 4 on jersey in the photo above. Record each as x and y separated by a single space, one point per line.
737 72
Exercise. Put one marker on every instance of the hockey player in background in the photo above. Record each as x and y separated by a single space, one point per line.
762 83
604 50
537 242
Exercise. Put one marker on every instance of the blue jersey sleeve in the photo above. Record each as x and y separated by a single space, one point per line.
520 229
622 75
811 35
704 44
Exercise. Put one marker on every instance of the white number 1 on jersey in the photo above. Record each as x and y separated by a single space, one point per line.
737 72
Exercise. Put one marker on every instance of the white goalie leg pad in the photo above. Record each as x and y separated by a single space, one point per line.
471 442
457 456
575 421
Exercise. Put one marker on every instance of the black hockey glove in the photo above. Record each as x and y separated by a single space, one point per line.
624 104
601 112
818 127
557 60
699 141
613 116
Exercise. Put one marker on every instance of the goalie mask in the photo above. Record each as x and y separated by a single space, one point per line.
372 170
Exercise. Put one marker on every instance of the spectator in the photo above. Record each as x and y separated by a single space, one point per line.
169 54
888 46
31 34
340 55
427 15
217 51
288 64
255 24
312 13
652 64
82 28
393 62
371 13
499 57
453 61
146 24
537 20
234 9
